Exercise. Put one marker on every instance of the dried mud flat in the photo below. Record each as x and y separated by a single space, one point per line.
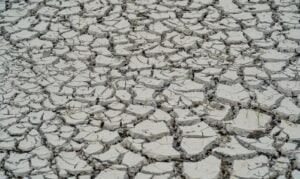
150 89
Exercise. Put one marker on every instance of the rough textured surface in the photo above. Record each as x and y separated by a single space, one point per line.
150 89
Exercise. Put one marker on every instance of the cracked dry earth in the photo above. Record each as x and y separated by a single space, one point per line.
160 89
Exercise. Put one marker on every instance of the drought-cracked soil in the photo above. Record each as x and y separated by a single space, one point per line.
150 89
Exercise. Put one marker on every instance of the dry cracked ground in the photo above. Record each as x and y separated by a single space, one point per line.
150 89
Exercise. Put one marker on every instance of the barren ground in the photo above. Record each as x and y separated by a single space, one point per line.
150 89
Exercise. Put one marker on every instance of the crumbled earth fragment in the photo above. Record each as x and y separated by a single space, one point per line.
208 168
234 150
256 122
256 167
112 173
161 149
149 130
69 162
291 129
233 94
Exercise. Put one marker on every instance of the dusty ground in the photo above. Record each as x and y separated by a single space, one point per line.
113 89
